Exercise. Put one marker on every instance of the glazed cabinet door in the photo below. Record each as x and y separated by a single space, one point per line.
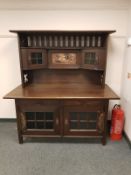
83 123
33 58
38 118
85 120
44 122
94 59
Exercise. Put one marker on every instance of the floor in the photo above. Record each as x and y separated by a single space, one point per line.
44 158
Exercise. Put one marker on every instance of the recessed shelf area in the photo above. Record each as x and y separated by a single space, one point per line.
63 41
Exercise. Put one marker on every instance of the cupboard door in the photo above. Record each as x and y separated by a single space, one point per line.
94 59
40 122
33 58
83 121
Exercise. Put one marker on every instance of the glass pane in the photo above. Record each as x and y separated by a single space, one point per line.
49 125
83 115
83 125
40 125
73 115
92 116
49 115
86 125
73 125
83 120
39 115
91 125
90 58
36 58
30 115
30 125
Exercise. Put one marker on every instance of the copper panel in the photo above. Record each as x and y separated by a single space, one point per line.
64 58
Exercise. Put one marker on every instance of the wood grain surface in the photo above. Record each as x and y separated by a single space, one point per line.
62 91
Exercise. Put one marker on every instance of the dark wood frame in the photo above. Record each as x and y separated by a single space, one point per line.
79 87
61 108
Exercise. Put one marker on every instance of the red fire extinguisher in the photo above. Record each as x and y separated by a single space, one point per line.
117 123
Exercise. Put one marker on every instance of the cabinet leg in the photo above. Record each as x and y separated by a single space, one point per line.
19 124
103 141
20 138
104 138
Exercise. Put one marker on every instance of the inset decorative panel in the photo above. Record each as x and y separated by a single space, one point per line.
61 59
64 58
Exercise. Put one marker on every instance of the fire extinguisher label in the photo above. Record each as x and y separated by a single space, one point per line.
118 127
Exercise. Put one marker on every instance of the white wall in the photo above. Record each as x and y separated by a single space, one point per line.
126 82
9 74
62 4
104 15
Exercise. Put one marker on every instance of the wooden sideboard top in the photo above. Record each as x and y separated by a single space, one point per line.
61 91
63 31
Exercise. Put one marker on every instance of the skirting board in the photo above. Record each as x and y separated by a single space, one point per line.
127 139
7 120
124 133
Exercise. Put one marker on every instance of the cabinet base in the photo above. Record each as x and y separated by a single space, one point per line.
59 139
